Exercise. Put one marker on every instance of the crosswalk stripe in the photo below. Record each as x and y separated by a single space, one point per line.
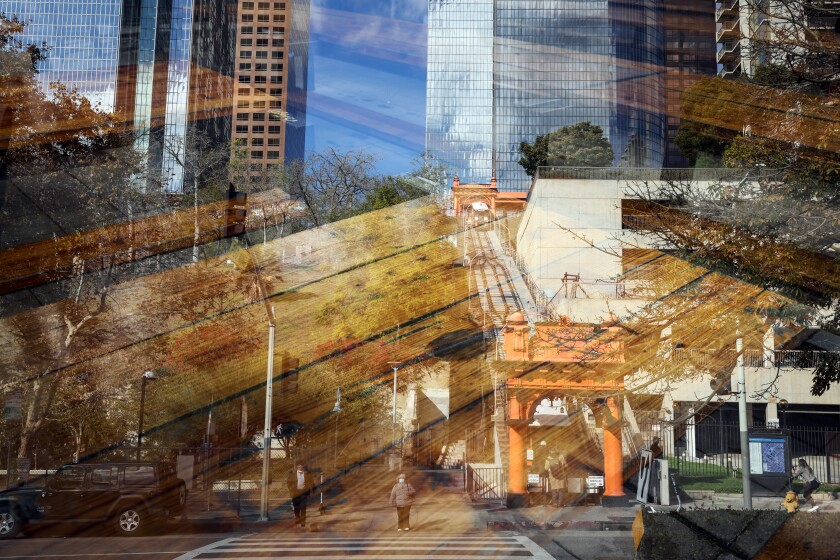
398 547
336 554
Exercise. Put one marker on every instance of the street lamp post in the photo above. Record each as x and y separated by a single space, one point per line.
742 422
253 266
395 366
147 376
336 409
269 382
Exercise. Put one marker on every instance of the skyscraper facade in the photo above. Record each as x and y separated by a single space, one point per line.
459 86
689 55
270 90
83 40
505 71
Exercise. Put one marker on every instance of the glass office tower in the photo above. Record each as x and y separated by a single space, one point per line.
298 70
504 71
163 65
83 40
459 86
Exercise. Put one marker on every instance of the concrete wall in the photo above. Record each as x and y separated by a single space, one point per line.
574 227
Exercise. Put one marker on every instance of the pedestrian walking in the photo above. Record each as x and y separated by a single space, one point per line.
301 484
403 496
555 464
806 473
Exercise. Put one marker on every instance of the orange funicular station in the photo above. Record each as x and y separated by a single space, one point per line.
558 377
499 203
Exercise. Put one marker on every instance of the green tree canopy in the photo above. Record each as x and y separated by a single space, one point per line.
702 145
577 145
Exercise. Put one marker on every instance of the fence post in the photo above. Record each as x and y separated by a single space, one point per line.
827 457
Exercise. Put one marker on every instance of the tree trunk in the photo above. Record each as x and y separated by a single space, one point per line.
77 436
130 232
43 391
196 233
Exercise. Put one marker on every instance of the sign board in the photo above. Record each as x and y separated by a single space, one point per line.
12 405
533 478
645 464
529 455
23 467
767 455
594 481
769 462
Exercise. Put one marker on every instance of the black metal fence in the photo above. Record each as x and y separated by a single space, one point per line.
713 449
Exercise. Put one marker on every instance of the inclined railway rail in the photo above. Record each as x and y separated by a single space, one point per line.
490 280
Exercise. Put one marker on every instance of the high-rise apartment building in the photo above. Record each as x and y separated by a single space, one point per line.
270 89
504 71
751 33
689 54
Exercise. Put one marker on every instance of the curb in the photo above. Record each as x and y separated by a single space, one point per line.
562 525
707 495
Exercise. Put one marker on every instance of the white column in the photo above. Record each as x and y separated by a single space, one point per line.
690 437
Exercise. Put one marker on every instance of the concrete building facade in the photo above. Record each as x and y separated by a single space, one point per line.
689 54
270 91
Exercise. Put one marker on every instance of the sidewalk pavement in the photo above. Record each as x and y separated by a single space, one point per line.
360 505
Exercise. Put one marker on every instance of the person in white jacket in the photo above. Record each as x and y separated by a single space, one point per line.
403 496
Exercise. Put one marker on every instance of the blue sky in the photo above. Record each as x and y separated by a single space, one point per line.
367 79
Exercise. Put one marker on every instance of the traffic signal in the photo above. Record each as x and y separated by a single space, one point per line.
236 213
289 369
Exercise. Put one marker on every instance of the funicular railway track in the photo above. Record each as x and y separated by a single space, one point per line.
492 282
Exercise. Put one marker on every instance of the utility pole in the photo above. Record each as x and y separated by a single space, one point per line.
269 381
742 423
251 265
395 366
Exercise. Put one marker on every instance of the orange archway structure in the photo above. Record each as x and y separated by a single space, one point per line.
567 359
464 194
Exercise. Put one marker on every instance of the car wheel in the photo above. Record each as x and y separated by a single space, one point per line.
10 523
131 520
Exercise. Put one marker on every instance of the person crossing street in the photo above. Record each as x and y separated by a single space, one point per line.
402 497
300 484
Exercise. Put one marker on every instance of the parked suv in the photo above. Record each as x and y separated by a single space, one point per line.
130 496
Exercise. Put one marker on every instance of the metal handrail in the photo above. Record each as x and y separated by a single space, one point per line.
651 174
787 359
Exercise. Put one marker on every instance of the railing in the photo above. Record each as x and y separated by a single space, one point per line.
724 30
726 6
802 359
717 448
730 69
488 484
641 222
650 174
788 359
728 48
544 306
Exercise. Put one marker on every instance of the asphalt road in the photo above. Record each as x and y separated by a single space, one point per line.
585 545
542 545
105 548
